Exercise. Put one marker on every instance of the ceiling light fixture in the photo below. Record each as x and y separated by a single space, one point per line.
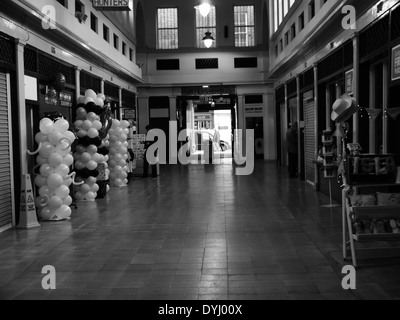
208 40
204 8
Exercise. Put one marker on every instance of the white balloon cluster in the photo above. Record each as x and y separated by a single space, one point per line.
87 158
119 153
54 159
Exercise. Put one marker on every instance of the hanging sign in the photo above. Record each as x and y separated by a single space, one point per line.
396 63
111 5
129 114
308 96
66 99
349 81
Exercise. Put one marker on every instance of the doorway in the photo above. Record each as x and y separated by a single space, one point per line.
213 123
257 124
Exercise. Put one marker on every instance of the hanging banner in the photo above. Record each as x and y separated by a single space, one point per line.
349 82
111 5
396 63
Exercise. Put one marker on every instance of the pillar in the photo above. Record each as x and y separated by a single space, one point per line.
77 83
143 114
102 85
386 75
23 134
120 103
356 83
328 107
300 128
316 118
372 122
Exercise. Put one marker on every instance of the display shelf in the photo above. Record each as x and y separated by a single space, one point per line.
375 212
352 214
355 181
376 237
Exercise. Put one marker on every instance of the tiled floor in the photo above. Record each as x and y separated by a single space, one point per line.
197 232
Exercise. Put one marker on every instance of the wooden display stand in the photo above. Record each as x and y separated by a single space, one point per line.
352 214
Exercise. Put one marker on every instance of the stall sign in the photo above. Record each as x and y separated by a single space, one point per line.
202 117
129 114
66 99
349 81
309 95
254 111
111 5
396 63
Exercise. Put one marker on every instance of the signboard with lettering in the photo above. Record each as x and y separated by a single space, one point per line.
396 63
254 111
309 95
129 114
111 5
66 99
349 81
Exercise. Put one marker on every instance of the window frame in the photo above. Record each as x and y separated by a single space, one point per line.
245 26
199 43
158 46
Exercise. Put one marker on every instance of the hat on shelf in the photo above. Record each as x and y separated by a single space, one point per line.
343 108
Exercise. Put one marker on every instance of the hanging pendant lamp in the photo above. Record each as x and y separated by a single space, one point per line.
208 40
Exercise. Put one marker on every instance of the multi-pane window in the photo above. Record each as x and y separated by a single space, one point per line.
167 28
244 26
206 24
281 9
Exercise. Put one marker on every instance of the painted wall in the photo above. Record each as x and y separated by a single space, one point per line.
120 23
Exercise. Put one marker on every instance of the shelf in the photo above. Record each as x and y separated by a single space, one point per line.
377 185
376 212
376 237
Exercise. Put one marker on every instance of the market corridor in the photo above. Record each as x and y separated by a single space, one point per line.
196 232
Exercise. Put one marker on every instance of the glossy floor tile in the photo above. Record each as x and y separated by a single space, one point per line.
197 232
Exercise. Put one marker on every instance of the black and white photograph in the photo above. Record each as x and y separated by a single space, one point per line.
199 157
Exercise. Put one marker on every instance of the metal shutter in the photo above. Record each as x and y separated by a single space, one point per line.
309 140
5 156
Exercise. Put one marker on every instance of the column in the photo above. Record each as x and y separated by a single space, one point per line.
241 109
316 118
23 134
284 147
372 122
300 128
269 128
143 118
356 82
173 136
120 102
172 108
328 107
386 75
77 82
102 85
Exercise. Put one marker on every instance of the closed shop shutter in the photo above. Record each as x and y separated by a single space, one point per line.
309 140
6 207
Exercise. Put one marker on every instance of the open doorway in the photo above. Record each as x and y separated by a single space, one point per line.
210 124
